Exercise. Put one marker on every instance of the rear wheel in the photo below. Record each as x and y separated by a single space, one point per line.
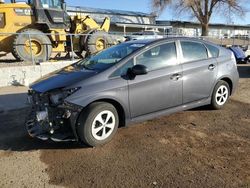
98 124
39 46
220 95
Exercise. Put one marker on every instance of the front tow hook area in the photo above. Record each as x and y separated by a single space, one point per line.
46 132
35 130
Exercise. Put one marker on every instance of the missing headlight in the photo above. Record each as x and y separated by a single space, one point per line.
58 97
72 90
42 115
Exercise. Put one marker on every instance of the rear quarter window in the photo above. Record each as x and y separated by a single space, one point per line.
193 51
214 51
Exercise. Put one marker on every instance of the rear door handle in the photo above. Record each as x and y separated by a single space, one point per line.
175 77
211 67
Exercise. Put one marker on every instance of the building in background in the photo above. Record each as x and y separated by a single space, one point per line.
126 22
186 28
121 21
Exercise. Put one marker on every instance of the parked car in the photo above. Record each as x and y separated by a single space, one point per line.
246 49
239 54
130 82
144 35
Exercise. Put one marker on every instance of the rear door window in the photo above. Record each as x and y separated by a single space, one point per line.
193 51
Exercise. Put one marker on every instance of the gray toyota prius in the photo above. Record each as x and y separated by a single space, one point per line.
130 82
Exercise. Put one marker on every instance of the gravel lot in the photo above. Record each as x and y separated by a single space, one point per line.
195 148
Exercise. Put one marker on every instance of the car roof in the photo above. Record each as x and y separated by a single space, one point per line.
141 41
150 41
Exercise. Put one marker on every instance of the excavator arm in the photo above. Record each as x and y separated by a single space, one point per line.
86 23
105 25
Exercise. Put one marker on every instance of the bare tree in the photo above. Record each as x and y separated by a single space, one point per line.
201 9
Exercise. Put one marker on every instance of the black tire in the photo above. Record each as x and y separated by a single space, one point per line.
86 120
91 42
215 100
20 50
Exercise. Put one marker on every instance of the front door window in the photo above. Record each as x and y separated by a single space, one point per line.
158 57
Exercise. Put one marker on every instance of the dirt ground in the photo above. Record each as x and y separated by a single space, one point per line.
195 148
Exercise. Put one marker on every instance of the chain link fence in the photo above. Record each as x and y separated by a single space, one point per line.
29 43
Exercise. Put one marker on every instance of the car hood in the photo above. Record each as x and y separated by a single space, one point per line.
62 78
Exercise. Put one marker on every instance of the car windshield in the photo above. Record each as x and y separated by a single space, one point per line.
109 57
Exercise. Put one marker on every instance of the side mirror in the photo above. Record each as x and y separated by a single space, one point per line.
139 70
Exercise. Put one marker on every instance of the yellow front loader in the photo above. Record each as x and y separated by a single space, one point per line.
39 27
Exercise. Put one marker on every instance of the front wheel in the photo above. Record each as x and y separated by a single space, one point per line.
220 95
98 124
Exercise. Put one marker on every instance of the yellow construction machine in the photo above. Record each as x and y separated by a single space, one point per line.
44 26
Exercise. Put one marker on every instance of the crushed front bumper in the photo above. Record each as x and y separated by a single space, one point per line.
57 123
46 130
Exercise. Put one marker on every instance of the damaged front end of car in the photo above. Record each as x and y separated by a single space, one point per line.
51 116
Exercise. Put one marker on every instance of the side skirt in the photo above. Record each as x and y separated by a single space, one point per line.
168 111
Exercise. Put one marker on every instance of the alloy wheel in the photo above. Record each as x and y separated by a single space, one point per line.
221 95
103 125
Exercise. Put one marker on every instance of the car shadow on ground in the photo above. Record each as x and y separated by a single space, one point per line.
13 101
14 137
201 108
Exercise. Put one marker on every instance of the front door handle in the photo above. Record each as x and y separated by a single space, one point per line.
175 77
211 67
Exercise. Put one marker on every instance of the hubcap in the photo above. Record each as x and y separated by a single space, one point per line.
103 125
100 44
36 47
221 95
